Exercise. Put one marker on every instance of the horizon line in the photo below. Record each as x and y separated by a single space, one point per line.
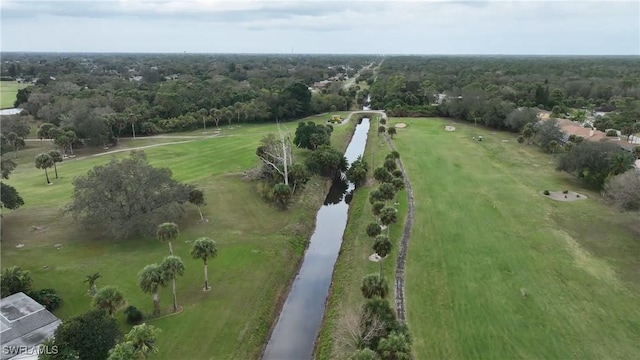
289 53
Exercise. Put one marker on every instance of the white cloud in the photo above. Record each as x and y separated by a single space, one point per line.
356 26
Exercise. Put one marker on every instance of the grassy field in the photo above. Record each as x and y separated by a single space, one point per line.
259 247
353 264
8 92
483 235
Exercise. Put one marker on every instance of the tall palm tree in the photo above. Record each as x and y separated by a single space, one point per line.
196 197
172 267
44 161
373 285
204 248
168 232
91 279
109 298
382 247
204 113
620 162
143 339
398 185
150 279
56 157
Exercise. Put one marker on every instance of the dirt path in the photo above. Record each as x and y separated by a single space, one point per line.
404 243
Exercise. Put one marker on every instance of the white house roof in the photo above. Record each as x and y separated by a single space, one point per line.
24 323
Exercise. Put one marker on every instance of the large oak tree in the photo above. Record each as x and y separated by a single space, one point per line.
128 197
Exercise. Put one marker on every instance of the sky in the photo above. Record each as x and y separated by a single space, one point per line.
507 27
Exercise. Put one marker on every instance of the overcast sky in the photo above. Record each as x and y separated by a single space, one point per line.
349 26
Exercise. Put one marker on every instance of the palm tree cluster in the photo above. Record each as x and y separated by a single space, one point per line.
155 276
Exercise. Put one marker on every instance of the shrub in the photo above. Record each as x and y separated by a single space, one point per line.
612 133
546 192
577 195
48 298
565 191
134 316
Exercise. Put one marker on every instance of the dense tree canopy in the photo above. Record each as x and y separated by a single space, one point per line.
593 161
88 336
135 197
310 135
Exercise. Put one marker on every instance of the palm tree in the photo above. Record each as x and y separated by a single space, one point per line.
388 216
16 143
172 267
387 190
398 185
528 132
150 280
391 131
373 285
217 114
620 162
376 207
122 351
143 340
395 346
168 232
204 248
57 157
381 129
196 197
390 165
109 298
393 155
204 112
382 247
373 230
15 280
44 161
91 279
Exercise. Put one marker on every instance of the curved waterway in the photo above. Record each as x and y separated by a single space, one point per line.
299 323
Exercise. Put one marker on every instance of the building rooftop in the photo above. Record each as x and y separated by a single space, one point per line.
24 323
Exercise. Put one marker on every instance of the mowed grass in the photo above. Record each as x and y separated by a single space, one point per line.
8 93
259 246
345 299
482 235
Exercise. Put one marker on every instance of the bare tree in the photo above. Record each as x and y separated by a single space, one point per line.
354 332
277 153
624 190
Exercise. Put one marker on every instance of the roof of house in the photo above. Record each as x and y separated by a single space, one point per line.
24 322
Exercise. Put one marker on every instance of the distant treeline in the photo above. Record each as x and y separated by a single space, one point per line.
98 95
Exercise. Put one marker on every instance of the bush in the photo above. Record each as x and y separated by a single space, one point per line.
48 298
565 191
612 133
134 316
546 192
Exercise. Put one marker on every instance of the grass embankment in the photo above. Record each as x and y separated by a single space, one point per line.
345 298
259 247
483 235
8 93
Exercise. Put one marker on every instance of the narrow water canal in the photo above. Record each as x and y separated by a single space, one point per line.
299 322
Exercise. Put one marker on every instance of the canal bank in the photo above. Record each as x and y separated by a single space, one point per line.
345 299
296 329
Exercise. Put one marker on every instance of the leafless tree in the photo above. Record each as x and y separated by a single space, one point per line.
624 190
276 153
354 331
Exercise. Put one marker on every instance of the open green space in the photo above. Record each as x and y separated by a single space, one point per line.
8 93
259 246
496 271
345 298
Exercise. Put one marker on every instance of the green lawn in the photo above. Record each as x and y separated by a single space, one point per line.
8 92
353 264
259 247
482 233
